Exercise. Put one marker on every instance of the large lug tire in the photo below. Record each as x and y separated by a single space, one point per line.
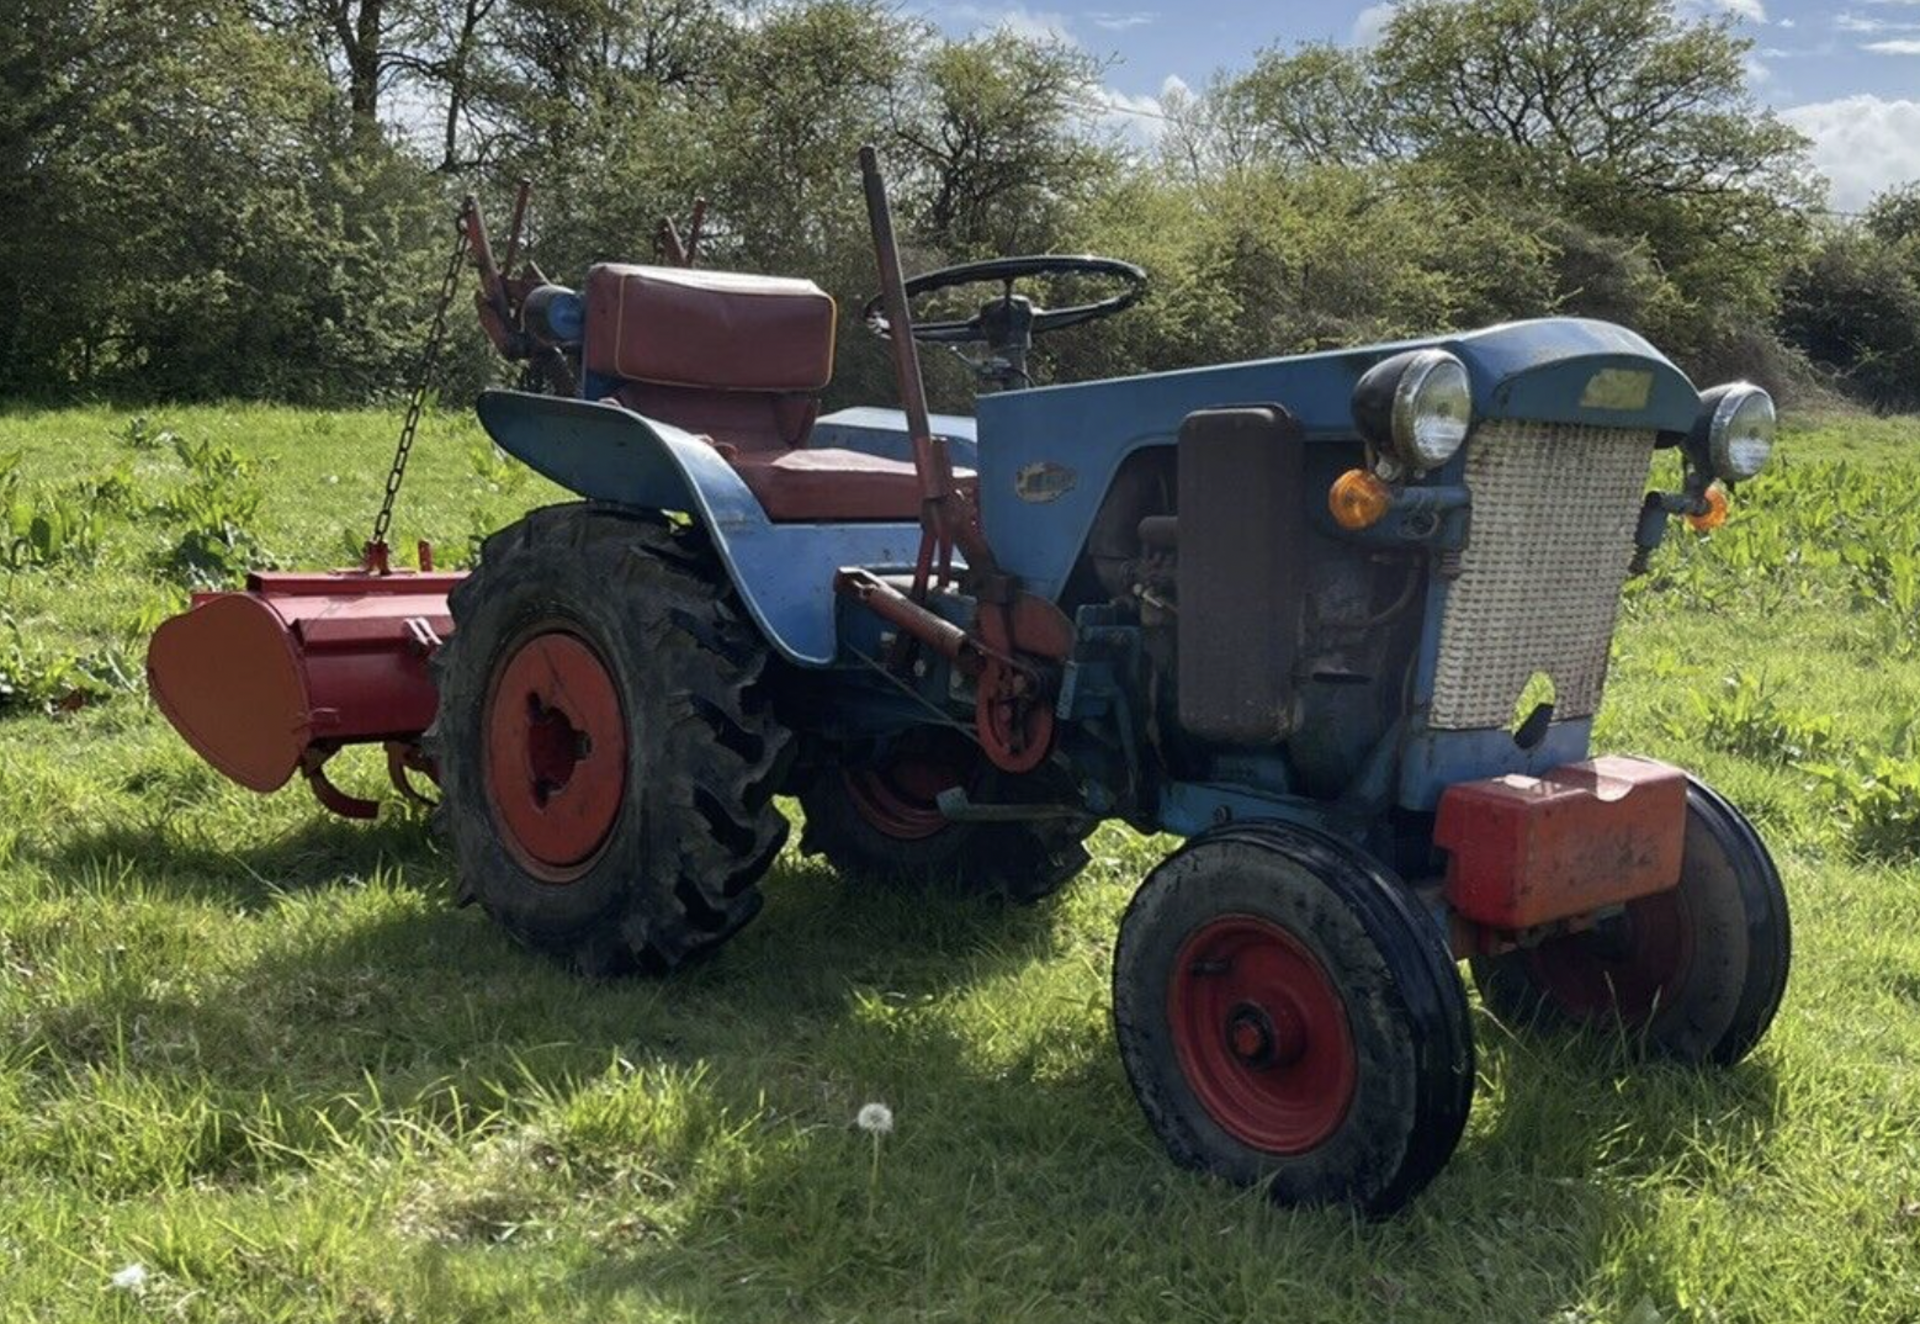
1288 1015
877 822
606 755
1695 974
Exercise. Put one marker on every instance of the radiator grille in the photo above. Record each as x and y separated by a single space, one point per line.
1554 510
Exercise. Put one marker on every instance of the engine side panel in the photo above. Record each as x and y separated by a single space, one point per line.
1241 578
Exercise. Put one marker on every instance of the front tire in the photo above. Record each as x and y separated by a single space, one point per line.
1695 973
606 756
1288 1016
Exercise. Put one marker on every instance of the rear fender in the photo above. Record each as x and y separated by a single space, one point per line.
783 572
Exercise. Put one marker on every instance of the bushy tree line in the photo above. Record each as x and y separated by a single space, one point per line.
253 197
1853 302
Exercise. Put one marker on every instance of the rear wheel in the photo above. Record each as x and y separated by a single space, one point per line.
606 756
1695 973
1287 1016
879 820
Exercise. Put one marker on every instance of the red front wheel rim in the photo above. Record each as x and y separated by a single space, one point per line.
556 753
1261 1034
1627 967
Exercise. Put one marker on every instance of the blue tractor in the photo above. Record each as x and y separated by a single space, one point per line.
1340 620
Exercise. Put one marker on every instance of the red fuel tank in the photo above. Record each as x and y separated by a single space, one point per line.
273 679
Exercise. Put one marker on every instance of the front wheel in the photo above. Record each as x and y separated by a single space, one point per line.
1695 973
1288 1016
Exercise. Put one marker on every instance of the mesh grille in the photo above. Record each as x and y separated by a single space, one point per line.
1554 509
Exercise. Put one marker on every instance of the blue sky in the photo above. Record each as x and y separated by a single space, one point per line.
1847 74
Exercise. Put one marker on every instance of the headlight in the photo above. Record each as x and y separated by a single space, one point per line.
1415 407
1735 430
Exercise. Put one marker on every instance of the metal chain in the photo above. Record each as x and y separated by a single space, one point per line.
429 360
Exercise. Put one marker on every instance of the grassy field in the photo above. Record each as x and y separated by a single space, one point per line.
255 1051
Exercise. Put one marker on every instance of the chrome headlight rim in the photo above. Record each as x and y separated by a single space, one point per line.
1428 373
1393 406
1729 456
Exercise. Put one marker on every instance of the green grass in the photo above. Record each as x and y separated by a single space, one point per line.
256 1049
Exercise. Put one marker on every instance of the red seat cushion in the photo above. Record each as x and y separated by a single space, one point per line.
823 484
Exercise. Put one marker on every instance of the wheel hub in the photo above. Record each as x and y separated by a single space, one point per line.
1262 1037
556 753
1261 1034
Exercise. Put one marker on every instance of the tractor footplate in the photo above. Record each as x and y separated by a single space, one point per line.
1528 851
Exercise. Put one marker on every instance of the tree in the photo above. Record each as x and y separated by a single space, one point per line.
358 40
1621 88
208 227
1854 309
1622 132
253 196
1894 216
992 145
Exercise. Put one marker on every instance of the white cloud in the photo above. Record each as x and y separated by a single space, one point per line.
1371 25
1863 144
1900 46
1140 119
1112 20
1033 24
1862 23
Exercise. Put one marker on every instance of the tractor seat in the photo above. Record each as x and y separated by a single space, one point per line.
825 484
738 359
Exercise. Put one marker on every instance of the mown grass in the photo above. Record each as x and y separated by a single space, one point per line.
257 1051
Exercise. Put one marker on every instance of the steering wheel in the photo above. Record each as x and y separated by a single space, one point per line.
1007 325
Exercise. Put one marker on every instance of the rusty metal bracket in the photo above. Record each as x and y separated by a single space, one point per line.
313 766
404 757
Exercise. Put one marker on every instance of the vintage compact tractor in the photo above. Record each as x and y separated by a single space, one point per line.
1286 609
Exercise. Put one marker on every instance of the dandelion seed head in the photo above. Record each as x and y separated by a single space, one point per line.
133 1278
875 1119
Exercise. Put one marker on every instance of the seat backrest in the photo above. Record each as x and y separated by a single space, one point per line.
708 330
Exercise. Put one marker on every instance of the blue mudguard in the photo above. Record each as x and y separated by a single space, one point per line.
783 572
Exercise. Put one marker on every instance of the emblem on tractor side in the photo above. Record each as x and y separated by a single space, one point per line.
1043 482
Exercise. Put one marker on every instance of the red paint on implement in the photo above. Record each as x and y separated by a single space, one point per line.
1261 1034
1526 851
556 753
253 679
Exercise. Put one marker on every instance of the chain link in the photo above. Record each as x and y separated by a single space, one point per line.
429 360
